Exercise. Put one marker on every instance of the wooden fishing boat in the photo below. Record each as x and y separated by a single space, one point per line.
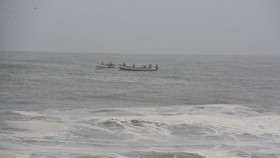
133 68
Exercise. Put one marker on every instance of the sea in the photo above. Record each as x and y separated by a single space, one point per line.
58 105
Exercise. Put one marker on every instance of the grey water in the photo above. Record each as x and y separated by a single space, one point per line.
60 105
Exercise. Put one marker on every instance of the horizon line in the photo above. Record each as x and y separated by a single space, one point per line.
136 53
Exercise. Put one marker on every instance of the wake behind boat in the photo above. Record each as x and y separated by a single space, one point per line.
102 65
133 68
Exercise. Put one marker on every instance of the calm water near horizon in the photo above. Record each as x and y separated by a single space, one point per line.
59 105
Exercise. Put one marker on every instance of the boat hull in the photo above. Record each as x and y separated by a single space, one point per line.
128 68
99 66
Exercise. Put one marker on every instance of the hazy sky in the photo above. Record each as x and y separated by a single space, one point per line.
141 26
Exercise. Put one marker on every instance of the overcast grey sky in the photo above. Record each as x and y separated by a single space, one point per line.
249 27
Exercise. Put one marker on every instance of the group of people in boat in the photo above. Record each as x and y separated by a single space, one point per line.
107 64
125 67
144 66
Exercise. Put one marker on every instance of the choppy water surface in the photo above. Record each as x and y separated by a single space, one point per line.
59 105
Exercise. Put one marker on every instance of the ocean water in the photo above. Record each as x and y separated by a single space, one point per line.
56 105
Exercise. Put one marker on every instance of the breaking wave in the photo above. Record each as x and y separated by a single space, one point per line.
210 131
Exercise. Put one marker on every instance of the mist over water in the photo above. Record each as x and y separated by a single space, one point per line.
59 105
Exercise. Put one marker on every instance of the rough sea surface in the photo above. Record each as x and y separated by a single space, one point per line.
58 105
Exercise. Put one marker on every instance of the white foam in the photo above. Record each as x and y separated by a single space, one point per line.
153 126
29 113
210 116
217 154
253 123
38 128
